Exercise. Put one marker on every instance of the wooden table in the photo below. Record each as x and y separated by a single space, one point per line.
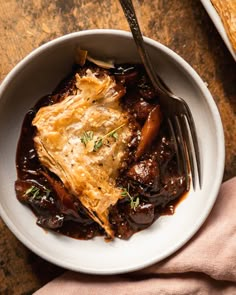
183 25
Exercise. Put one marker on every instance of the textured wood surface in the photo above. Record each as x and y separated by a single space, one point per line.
183 25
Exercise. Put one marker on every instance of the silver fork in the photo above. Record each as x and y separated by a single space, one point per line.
176 110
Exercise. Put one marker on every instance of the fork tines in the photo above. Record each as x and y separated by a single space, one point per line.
186 147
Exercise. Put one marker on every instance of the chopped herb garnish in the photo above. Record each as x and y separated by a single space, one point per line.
114 135
99 141
86 137
134 201
97 144
89 136
34 193
114 131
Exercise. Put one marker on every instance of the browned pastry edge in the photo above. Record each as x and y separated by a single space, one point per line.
227 12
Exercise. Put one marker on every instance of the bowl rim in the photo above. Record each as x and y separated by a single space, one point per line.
216 119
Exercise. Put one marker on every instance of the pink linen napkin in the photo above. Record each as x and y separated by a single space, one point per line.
205 265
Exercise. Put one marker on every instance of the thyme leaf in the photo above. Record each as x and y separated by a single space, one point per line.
34 193
97 144
134 201
99 141
89 136
115 135
86 137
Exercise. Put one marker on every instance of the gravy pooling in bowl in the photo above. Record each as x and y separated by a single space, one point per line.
108 167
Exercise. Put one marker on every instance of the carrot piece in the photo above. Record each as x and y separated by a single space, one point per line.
149 131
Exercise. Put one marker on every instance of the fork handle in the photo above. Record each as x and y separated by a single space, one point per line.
130 14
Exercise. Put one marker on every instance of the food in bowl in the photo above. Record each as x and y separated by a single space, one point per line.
36 76
95 156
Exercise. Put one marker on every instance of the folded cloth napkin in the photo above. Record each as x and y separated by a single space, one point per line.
205 265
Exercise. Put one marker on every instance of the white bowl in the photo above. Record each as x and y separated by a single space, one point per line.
37 75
